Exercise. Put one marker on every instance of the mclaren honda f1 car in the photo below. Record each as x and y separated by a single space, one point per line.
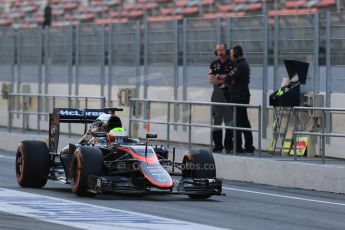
107 160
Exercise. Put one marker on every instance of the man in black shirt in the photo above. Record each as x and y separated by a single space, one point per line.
239 78
222 65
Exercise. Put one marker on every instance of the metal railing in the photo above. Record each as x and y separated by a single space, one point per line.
187 105
22 105
323 132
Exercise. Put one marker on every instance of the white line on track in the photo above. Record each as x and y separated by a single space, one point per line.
283 196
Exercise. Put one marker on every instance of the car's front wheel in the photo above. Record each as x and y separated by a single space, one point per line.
86 161
199 163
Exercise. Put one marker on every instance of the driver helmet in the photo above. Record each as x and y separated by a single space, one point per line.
96 126
117 136
99 124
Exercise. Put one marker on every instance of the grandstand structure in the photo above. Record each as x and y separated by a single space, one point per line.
29 13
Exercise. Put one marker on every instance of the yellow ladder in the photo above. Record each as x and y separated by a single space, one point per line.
282 131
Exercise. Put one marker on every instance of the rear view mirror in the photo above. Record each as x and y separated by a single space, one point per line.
99 134
151 135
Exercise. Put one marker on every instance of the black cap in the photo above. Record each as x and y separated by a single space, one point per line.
238 51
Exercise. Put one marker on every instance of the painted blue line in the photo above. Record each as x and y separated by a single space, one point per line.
64 211
81 215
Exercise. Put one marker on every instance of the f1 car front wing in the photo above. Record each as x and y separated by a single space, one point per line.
187 186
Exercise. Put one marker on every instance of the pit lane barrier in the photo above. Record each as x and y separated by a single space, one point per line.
323 132
188 114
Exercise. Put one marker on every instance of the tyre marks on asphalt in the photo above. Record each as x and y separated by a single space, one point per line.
81 215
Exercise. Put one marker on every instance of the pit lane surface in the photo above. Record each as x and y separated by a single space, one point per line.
245 206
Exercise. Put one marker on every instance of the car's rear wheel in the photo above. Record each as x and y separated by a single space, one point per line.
199 163
32 164
86 161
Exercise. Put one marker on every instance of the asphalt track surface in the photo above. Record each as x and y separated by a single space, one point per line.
245 205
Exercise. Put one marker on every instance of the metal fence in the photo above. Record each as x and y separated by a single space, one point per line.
199 39
172 53
161 59
7 42
123 49
198 118
335 53
170 59
90 57
323 131
29 59
58 62
29 111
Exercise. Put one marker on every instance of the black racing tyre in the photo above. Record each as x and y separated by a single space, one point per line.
32 164
86 161
199 163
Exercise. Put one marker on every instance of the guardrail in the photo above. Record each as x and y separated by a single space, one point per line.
324 131
189 114
23 104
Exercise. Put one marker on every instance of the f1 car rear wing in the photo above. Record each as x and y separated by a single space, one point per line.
70 115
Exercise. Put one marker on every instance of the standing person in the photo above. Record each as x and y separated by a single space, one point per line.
47 15
239 78
222 65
